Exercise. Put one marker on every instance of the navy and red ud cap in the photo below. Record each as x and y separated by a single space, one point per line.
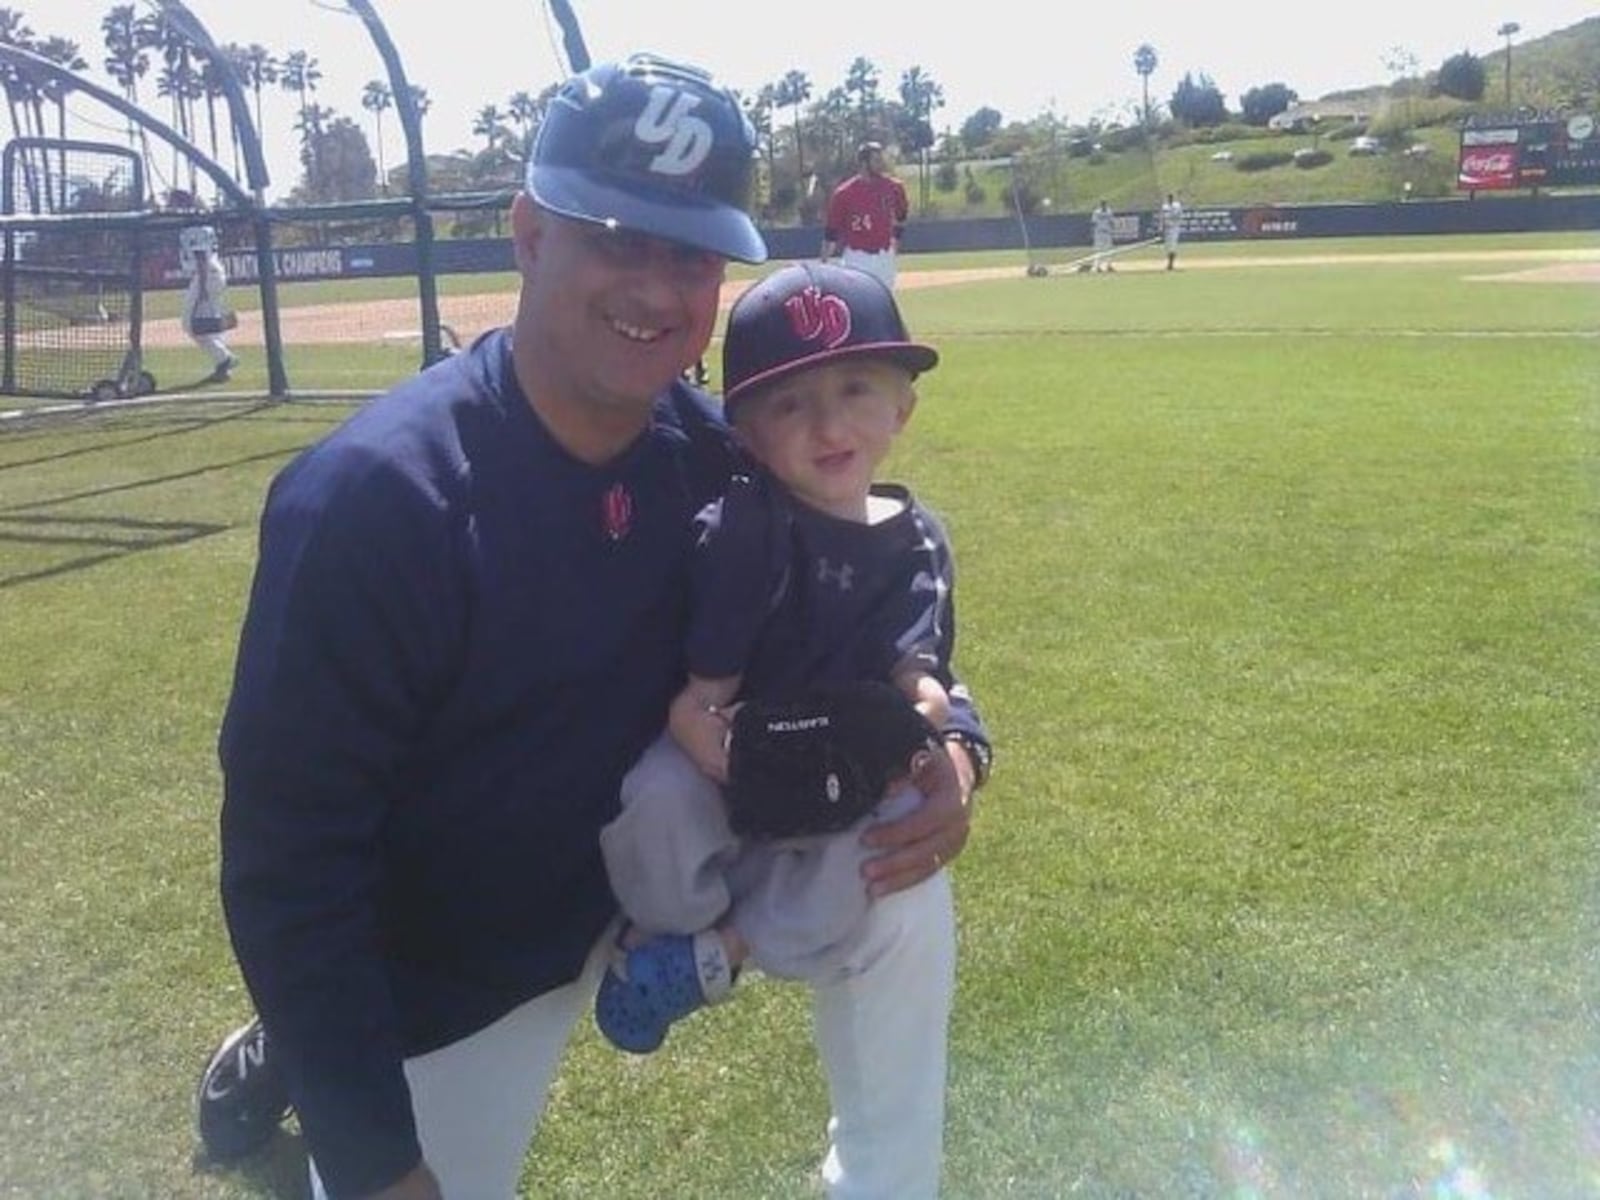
809 314
651 146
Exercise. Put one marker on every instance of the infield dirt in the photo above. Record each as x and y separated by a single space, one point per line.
396 320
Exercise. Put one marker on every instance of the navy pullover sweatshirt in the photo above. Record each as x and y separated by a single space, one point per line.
459 638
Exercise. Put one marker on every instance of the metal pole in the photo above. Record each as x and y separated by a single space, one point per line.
416 175
255 167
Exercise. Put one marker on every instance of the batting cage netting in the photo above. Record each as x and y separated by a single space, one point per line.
72 290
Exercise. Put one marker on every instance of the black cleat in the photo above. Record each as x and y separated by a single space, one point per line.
241 1099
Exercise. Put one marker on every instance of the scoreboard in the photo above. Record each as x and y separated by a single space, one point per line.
1500 151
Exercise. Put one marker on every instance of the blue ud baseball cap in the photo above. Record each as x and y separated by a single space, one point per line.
651 146
809 314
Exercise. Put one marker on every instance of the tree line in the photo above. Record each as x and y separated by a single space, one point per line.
807 133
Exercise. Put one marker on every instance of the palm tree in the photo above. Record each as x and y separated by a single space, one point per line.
421 99
310 125
919 95
178 80
526 112
15 32
64 53
257 68
1144 62
375 98
488 127
127 59
759 111
793 90
299 73
209 83
861 83
833 112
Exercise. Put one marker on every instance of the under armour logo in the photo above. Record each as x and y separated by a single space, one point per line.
666 122
816 317
840 576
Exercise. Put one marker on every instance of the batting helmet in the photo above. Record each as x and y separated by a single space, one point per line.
194 239
651 146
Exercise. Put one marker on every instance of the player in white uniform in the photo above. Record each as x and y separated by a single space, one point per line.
206 297
1171 228
1101 223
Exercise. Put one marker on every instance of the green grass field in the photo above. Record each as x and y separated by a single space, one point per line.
1278 590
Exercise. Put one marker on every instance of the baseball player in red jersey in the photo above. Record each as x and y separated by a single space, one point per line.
866 216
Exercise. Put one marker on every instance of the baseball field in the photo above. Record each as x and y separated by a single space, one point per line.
1278 589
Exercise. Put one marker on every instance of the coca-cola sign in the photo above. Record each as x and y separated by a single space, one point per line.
1488 167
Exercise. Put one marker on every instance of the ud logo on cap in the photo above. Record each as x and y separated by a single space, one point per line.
816 316
666 120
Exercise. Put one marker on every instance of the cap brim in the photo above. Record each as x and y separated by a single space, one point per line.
703 224
913 356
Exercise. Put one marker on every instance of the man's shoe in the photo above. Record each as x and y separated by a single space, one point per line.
241 1099
658 982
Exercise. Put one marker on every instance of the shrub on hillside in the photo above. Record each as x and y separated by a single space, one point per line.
1307 158
1347 131
1262 160
1206 135
1420 112
1118 140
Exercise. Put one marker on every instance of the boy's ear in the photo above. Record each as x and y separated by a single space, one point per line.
907 404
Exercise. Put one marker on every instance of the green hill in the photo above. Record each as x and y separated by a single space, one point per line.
1560 70
1419 134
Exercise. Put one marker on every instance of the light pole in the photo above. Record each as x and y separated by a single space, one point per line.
1506 31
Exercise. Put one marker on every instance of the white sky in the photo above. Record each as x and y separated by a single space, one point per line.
469 53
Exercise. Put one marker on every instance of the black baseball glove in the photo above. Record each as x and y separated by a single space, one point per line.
820 763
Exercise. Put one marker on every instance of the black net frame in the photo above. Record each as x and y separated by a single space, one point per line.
73 297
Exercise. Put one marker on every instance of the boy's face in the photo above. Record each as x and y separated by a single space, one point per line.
824 432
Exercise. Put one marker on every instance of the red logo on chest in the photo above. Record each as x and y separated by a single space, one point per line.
616 512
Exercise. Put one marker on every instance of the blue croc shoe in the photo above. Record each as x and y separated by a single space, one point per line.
658 982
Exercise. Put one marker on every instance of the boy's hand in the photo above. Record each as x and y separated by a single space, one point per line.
702 731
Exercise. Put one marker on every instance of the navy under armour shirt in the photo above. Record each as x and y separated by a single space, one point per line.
790 597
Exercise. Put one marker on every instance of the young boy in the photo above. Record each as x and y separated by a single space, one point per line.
808 572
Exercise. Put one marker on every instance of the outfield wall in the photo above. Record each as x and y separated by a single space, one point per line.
1274 222
1260 223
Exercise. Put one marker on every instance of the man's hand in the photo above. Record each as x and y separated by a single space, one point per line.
927 840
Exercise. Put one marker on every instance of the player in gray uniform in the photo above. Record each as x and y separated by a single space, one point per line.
807 573
1171 228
